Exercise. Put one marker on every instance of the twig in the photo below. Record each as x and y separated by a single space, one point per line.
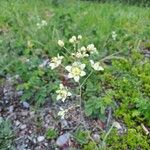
145 129
109 116
110 56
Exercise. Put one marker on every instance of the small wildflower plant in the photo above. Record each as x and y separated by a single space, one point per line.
77 66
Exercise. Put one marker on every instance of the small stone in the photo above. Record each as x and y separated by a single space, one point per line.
64 123
17 123
24 113
40 138
96 137
20 93
25 105
63 140
46 144
32 113
23 127
30 131
34 141
11 109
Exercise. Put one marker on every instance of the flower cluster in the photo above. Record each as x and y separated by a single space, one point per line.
91 48
63 93
75 39
76 69
55 61
62 112
96 66
42 24
114 35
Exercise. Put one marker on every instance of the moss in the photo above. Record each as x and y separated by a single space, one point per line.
132 140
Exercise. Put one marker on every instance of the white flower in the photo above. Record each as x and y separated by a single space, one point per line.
39 25
96 66
79 37
44 23
62 112
73 39
80 54
91 48
63 93
55 61
61 43
83 49
114 35
76 71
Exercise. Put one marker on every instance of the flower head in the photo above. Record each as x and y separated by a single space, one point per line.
96 66
63 93
114 35
83 49
62 112
55 61
43 23
91 48
61 43
80 54
79 37
76 71
73 39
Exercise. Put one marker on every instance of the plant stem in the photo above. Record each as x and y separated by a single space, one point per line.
86 78
108 133
67 50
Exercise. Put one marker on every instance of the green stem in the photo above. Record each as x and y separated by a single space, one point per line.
86 78
108 133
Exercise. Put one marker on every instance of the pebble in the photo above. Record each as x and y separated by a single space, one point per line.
46 144
17 123
23 126
1 119
96 137
64 123
24 113
11 109
40 138
25 105
34 141
63 140
20 93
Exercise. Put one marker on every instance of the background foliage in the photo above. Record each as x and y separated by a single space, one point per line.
124 86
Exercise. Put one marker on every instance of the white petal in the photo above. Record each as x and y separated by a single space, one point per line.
70 75
52 66
58 97
76 78
83 73
61 108
61 86
69 94
63 99
68 68
75 63
101 68
58 91
92 62
82 66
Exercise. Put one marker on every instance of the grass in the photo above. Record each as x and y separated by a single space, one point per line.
126 81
